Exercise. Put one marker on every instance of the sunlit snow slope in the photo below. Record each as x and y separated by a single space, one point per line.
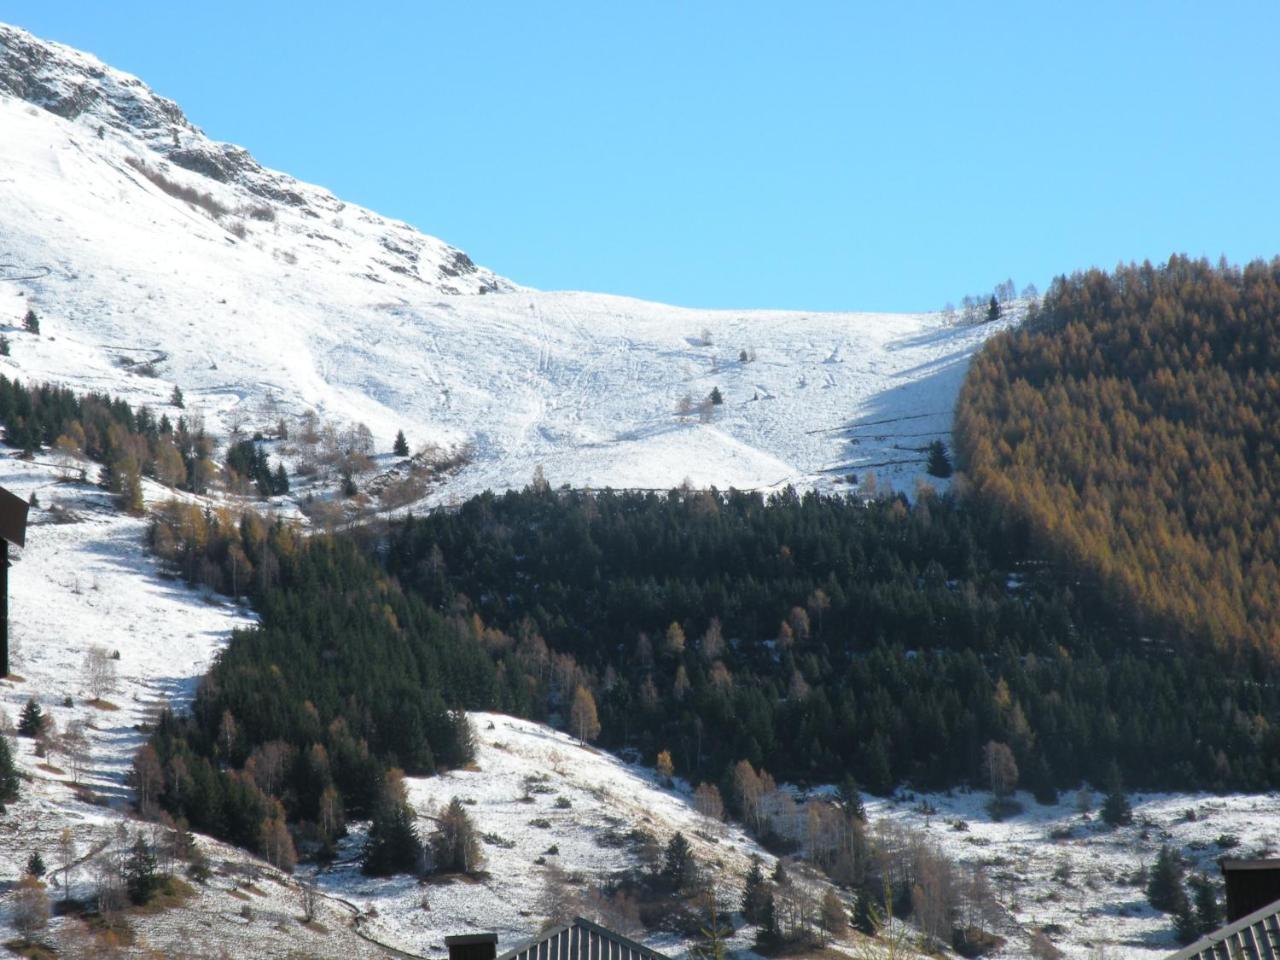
328 306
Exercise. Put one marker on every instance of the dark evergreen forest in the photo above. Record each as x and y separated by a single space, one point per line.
813 636
818 635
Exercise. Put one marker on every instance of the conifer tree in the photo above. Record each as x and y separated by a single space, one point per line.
280 480
8 775
392 844
1164 886
866 915
1042 786
939 464
993 309
141 878
1116 809
768 935
31 720
877 775
851 798
35 865
678 865
717 398
1208 911
780 877
1184 923
401 447
30 322
176 399
754 890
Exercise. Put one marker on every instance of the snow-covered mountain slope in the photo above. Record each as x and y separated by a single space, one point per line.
274 287
544 803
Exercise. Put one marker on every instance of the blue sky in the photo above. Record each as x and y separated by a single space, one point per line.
887 156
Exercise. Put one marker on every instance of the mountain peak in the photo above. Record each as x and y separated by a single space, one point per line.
81 89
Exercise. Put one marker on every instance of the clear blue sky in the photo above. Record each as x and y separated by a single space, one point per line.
887 156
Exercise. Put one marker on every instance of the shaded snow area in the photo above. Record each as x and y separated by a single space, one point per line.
272 287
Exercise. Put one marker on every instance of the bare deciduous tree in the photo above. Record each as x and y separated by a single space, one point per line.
309 898
1002 769
707 801
99 672
29 913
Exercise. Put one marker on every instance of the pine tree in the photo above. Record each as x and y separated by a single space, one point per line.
31 720
1184 923
877 775
717 398
780 877
768 920
1208 911
1164 886
1042 786
35 865
678 865
8 775
4 346
31 323
401 447
851 798
280 481
866 915
176 398
1116 809
993 309
754 891
392 844
939 464
141 878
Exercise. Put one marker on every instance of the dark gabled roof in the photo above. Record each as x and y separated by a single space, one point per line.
582 940
1255 936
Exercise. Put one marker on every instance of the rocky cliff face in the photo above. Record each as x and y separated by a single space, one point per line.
78 87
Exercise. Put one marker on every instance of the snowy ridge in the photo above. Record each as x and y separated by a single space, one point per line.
277 289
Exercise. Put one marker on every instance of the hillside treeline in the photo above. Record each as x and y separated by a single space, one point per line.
302 717
1134 427
129 443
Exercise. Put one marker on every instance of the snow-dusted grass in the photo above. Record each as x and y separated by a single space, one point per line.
1052 866
524 772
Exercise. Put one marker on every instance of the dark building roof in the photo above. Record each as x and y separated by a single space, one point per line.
13 518
582 940
1252 937
1251 885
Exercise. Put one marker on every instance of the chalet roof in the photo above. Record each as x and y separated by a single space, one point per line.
582 940
1255 936
13 518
